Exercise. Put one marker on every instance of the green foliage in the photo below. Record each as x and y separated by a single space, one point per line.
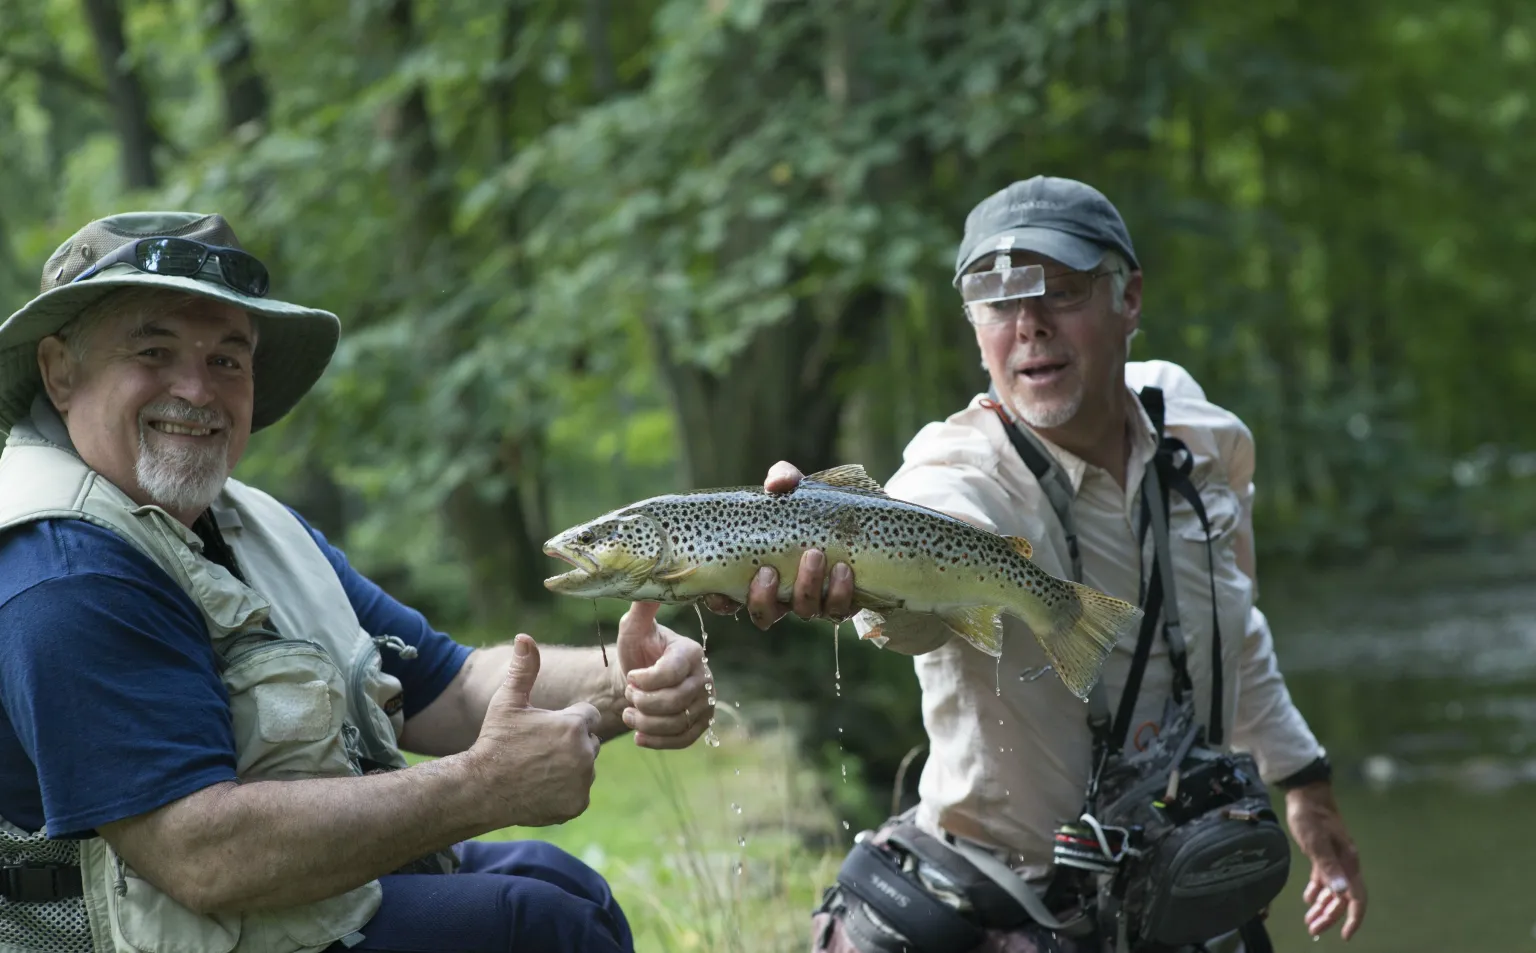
589 252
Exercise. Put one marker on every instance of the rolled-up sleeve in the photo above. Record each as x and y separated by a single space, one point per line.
1266 722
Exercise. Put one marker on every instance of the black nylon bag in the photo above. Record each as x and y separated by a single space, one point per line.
1208 860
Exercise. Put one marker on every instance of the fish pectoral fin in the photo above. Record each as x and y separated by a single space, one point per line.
1020 545
675 575
868 600
849 476
982 626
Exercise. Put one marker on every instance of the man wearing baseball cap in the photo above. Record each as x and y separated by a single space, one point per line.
203 706
1009 846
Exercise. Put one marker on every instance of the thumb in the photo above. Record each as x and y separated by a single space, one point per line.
523 671
640 641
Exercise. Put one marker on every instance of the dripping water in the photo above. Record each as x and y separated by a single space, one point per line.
837 665
709 685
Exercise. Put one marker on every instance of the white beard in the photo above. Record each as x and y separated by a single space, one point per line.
179 478
1053 414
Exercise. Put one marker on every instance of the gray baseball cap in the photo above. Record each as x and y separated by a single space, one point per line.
1062 219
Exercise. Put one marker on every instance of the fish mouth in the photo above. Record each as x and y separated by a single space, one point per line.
586 568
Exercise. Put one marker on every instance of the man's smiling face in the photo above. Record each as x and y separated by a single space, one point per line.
157 394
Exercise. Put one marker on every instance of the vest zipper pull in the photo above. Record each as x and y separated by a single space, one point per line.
398 644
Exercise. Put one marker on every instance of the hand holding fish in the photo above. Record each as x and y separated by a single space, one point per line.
666 681
763 602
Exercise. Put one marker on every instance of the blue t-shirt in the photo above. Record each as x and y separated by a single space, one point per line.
110 705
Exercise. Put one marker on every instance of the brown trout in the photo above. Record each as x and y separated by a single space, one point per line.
680 547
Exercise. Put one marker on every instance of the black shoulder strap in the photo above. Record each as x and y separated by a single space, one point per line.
1173 464
1156 598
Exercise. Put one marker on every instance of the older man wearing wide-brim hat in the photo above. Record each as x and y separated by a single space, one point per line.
205 706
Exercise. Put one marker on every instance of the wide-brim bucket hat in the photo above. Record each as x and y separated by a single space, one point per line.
293 350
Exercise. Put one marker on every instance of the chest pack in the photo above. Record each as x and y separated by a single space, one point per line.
1177 842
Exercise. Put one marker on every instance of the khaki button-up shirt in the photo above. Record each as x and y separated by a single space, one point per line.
1009 756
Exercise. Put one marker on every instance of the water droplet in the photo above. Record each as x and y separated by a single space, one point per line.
845 774
1005 792
839 729
736 807
741 840
738 868
699 610
737 703
845 825
836 662
711 701
999 723
998 673
738 772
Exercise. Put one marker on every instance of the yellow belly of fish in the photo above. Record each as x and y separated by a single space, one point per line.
917 584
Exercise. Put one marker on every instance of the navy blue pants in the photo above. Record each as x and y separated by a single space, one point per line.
507 897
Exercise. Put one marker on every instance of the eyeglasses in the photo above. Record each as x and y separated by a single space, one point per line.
185 258
997 297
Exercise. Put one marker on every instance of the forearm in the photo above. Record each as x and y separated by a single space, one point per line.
274 844
567 674
570 674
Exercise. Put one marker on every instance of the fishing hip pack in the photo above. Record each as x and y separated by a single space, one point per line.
1184 840
1180 837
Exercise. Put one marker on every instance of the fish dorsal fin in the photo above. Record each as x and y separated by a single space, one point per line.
1020 545
849 476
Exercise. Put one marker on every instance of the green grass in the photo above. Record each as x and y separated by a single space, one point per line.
664 829
1446 872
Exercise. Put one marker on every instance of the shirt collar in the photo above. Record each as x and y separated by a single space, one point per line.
1143 444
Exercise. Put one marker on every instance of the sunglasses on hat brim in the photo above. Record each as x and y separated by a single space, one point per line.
186 258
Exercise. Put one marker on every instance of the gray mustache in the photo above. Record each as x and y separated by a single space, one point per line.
181 412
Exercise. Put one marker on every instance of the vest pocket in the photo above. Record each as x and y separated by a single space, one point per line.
378 700
143 919
288 705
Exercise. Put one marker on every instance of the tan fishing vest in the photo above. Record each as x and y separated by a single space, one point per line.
307 695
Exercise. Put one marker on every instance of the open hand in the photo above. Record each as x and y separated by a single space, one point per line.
1336 887
808 600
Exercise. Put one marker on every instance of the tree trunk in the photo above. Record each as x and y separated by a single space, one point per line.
776 400
245 92
130 109
499 535
605 78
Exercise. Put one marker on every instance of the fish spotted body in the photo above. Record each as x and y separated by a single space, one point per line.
680 547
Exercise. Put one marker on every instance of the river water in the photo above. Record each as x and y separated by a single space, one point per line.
1419 675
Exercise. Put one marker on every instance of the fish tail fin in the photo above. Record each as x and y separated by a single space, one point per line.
982 626
1084 628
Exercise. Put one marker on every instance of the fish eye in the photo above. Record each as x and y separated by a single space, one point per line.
586 537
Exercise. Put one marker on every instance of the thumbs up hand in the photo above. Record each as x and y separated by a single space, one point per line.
538 765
